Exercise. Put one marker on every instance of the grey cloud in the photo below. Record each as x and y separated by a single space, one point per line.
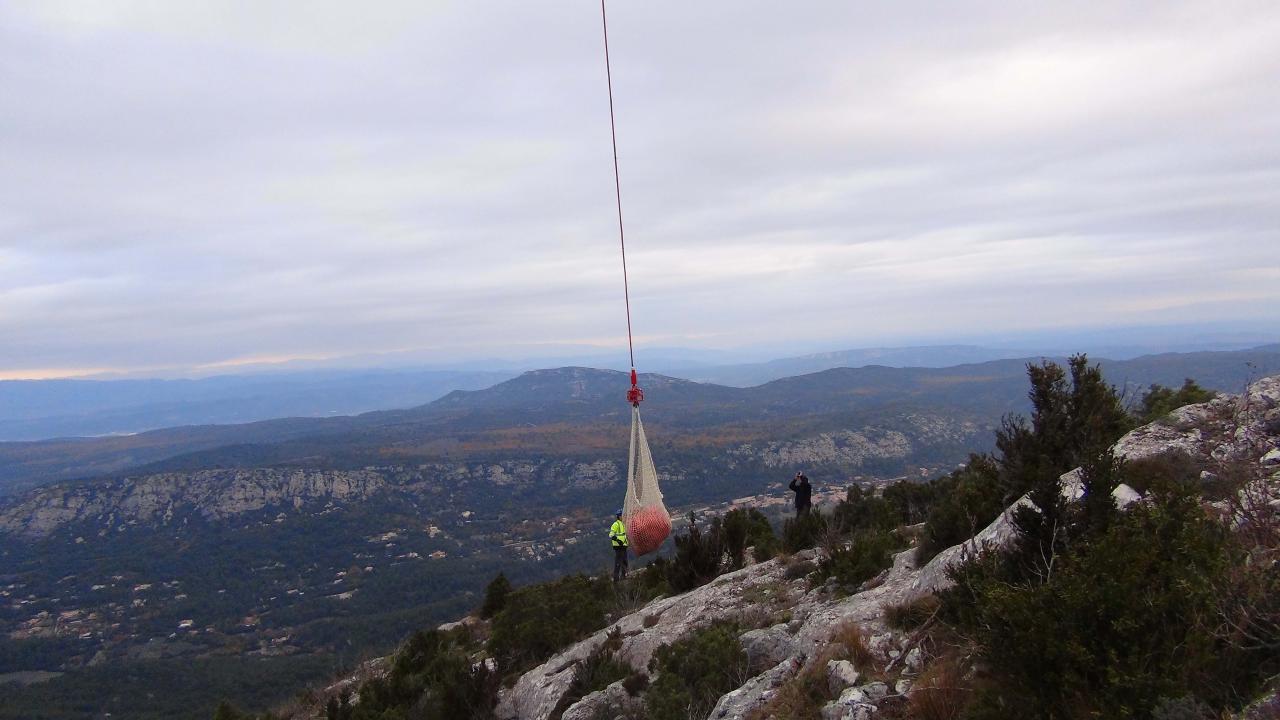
187 183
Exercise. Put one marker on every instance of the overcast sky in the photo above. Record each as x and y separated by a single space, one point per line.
192 184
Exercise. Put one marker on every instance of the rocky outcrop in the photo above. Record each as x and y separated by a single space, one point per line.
854 447
754 592
845 447
611 702
757 691
1244 428
1229 427
164 498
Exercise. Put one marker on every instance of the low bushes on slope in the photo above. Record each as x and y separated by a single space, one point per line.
1093 612
540 620
1075 416
432 677
804 532
1112 625
862 559
705 551
693 672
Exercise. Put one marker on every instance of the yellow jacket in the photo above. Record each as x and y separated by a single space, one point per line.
618 534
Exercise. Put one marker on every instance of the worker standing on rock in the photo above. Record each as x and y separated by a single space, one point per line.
804 493
618 536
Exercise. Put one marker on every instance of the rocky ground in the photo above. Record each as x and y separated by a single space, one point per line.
795 626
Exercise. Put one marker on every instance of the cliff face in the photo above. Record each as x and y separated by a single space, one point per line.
220 495
162 499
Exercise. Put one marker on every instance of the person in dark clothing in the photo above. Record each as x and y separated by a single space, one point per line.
618 537
804 493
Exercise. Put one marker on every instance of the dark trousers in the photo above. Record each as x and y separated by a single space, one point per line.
619 562
802 510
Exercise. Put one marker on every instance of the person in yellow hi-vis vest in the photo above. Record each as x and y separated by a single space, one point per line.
618 536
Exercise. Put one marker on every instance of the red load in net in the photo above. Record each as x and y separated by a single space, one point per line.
647 521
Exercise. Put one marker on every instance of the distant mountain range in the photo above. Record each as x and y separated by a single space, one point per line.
43 409
541 406
40 409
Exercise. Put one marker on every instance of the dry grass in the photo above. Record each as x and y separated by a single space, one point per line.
851 641
912 615
940 693
803 696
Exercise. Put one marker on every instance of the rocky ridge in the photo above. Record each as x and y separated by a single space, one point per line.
165 499
162 499
1243 428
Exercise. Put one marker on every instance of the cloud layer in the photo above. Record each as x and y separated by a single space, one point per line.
188 184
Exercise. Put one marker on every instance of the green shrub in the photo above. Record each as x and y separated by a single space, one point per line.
432 674
803 532
911 501
1159 400
540 620
694 672
863 559
743 528
651 580
598 671
1114 627
636 683
1183 708
911 615
227 711
495 596
862 510
698 556
966 501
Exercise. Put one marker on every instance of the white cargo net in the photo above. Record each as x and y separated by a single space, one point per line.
645 517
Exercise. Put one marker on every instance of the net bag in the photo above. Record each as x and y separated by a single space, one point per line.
643 513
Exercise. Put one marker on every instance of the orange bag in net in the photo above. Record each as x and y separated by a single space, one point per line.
647 521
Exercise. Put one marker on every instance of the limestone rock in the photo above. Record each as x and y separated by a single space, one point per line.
611 701
914 660
767 647
756 692
875 690
853 704
537 692
840 675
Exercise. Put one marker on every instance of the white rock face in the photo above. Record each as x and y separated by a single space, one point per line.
609 702
767 647
211 494
217 495
538 691
840 675
756 692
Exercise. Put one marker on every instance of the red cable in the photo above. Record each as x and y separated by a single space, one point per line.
617 186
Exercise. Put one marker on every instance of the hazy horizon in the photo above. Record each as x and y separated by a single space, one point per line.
1109 343
192 187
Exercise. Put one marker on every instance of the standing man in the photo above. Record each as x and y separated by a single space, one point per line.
804 493
618 536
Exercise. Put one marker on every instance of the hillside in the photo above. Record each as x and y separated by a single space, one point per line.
797 637
39 409
549 408
324 546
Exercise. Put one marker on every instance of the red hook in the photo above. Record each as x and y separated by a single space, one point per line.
635 394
